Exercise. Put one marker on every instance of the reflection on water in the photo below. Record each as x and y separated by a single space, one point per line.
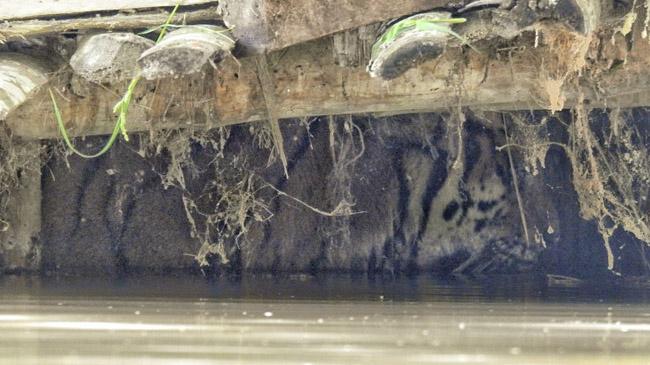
307 321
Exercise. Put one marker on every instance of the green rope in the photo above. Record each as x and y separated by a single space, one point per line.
121 108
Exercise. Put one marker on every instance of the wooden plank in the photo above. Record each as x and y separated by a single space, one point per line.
30 28
30 9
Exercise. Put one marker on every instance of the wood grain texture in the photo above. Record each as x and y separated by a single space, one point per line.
16 30
20 75
30 9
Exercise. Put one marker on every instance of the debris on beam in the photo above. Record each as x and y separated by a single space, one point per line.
16 30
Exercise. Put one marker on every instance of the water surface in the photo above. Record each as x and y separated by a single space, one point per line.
303 320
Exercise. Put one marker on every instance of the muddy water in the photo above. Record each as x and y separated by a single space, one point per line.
307 321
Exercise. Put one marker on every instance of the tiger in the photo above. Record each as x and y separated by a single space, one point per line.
364 194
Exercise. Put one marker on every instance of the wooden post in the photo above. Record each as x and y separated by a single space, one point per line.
19 77
20 231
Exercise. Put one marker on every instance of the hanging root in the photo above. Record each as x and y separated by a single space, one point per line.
221 209
610 158
347 146
611 173
515 182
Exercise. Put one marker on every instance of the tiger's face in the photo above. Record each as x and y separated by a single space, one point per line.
420 197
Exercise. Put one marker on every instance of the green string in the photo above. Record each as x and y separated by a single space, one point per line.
122 107
68 142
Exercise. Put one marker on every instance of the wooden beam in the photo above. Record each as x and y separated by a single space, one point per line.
31 9
31 28
307 82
